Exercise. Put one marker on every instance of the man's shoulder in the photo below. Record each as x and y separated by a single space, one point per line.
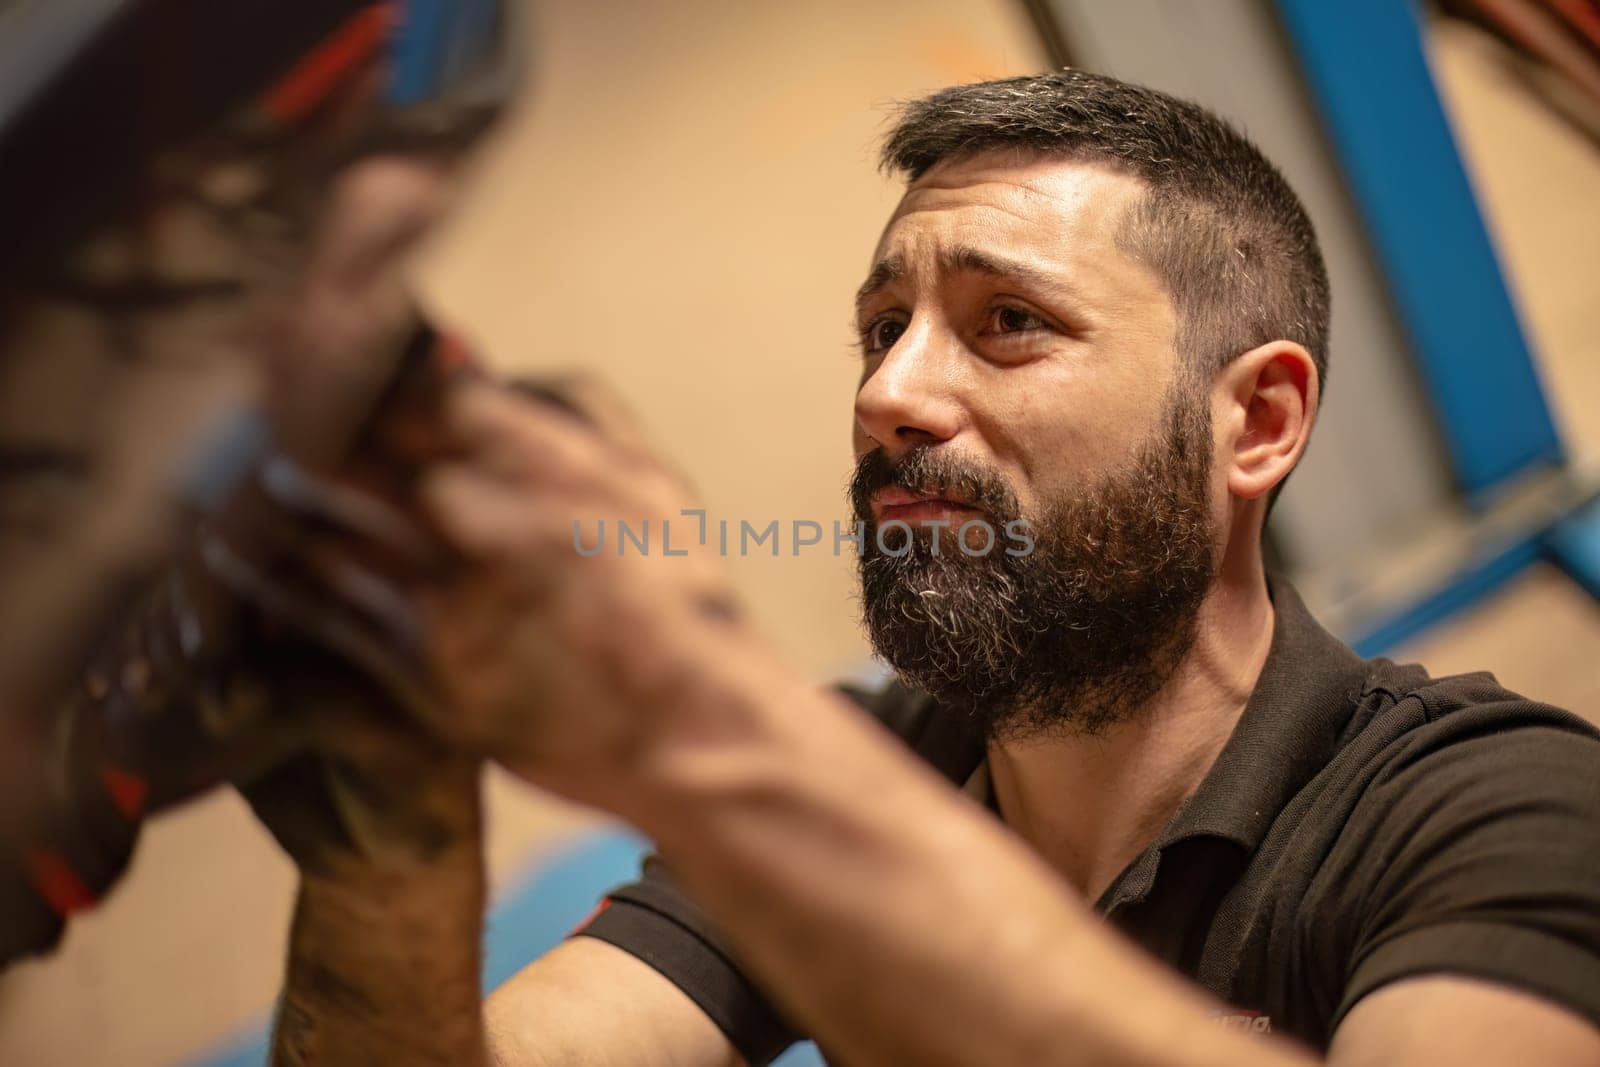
1330 689
1449 750
1463 744
1457 831
1404 705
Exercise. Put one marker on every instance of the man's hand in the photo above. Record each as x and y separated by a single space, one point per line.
561 662
552 661
366 790
384 824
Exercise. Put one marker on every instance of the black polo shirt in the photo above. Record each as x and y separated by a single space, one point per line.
1364 823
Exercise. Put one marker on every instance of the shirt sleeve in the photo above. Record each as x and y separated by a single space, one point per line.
654 921
1478 854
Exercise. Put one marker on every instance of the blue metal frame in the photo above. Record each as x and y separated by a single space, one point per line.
1466 588
1574 544
1368 72
1365 64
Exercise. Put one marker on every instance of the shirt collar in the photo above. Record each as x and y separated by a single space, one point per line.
1292 726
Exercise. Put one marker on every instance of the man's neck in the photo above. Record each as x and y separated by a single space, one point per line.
1091 805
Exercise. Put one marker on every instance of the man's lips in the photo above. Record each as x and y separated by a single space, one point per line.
894 503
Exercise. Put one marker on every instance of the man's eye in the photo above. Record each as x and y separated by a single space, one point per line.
881 335
1013 320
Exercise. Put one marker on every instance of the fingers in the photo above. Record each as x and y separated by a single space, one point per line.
379 602
478 513
345 584
559 444
595 403
522 604
522 440
327 506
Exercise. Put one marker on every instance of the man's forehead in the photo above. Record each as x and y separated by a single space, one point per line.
1020 201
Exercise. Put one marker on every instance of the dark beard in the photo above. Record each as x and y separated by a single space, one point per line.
1072 638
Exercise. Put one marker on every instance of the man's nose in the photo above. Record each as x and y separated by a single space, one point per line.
909 398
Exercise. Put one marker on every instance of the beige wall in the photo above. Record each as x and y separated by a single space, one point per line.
686 208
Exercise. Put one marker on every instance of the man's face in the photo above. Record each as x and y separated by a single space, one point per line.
1018 364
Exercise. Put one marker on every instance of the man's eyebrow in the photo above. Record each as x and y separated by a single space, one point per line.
886 271
967 260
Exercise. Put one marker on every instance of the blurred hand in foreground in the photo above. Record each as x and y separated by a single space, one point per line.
558 646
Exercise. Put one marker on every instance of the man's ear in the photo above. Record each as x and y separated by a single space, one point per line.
1268 398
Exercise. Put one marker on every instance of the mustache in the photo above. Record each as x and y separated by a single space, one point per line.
930 470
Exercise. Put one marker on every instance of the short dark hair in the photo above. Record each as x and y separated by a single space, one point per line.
1220 225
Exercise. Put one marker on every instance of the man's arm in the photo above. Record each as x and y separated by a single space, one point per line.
384 965
1446 1019
385 953
891 917
911 928
885 913
588 1002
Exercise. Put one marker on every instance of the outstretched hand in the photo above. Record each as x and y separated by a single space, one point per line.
562 662
494 635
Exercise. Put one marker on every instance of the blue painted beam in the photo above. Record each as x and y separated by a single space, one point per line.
1574 545
1365 64
1465 589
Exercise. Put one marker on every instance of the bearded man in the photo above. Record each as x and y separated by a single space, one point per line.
1133 804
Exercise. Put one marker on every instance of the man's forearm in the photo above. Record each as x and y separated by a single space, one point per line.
892 917
385 966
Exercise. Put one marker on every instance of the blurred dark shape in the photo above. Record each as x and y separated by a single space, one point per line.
139 657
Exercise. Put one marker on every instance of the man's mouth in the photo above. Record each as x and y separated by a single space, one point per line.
913 508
